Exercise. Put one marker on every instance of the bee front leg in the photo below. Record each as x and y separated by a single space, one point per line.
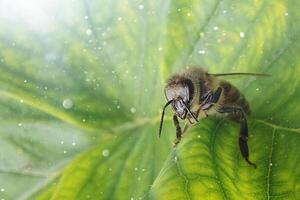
210 99
216 95
239 114
178 131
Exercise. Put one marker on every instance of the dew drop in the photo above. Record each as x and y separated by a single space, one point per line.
257 89
21 100
119 18
86 17
141 6
224 11
61 142
216 28
286 14
2 189
133 110
25 81
88 31
175 159
242 34
188 14
201 51
160 49
73 143
105 152
67 103
19 124
271 164
65 151
135 169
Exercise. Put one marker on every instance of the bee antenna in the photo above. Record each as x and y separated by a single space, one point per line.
241 73
162 116
189 111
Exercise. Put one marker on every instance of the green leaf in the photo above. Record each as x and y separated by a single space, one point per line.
116 168
95 70
208 164
33 154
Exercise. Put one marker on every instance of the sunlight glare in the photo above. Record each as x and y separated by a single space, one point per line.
33 13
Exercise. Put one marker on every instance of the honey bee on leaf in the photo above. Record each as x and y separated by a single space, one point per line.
196 91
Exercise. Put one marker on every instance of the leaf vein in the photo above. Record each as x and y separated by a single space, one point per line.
201 29
213 153
181 173
270 164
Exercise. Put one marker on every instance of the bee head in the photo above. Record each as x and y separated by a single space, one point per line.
179 93
179 90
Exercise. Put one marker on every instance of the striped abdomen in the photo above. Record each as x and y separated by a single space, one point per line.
233 97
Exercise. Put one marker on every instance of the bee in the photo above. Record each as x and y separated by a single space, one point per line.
195 91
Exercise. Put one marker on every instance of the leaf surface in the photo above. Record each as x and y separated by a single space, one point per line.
96 72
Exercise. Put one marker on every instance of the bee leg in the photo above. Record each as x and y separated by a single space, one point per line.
210 99
206 115
190 121
239 114
178 131
216 95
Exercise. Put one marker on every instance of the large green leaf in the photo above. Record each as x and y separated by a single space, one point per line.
98 67
33 154
116 169
208 164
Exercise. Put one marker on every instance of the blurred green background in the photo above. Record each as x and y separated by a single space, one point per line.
81 92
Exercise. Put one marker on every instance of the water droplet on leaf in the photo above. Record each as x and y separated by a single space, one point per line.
201 51
88 31
216 28
141 6
105 152
133 110
242 34
67 103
